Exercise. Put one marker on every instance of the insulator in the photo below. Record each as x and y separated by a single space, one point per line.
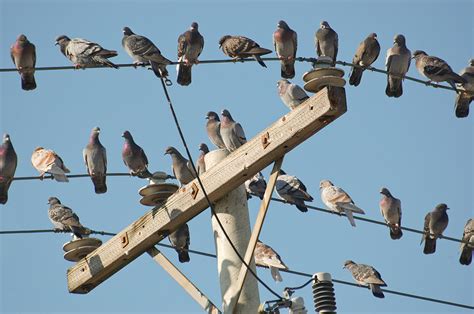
323 293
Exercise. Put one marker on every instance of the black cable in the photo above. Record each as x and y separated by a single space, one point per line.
85 175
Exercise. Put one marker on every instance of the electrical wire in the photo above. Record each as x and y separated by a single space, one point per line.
85 175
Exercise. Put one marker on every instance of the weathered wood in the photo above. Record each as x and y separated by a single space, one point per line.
282 136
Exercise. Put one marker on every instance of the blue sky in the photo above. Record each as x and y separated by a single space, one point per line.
413 145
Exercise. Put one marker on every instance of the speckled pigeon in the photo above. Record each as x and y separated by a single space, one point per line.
23 54
8 163
240 47
85 53
436 69
95 157
213 128
326 42
180 239
190 45
466 249
182 168
63 218
134 157
436 222
143 51
267 257
46 160
368 276
391 209
366 54
232 132
285 42
397 64
201 164
464 99
292 190
291 94
256 186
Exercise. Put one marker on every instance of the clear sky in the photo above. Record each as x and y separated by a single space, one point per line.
413 145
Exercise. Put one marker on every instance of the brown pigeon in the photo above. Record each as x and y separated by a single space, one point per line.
240 47
436 222
8 162
46 160
267 257
326 42
201 164
436 69
134 157
368 276
23 54
285 42
366 54
182 168
95 157
190 45
232 132
213 128
391 209
63 218
466 248
464 99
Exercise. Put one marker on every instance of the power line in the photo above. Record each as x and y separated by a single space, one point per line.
85 175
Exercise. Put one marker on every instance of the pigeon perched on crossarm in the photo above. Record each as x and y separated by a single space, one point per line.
266 256
23 54
366 54
232 132
182 168
368 276
256 186
326 41
436 222
134 157
63 218
291 94
292 190
391 210
85 53
240 47
467 248
46 160
464 98
213 128
201 164
180 239
285 42
190 46
397 64
95 158
8 163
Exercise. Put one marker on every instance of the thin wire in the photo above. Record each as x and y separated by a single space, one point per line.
72 176
205 193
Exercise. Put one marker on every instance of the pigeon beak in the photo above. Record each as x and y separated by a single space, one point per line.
56 43
206 117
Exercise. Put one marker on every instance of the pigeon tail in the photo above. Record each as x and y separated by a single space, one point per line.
103 60
394 87
395 233
183 256
259 60
288 70
350 217
4 186
99 184
376 291
301 206
80 231
159 69
356 76
28 81
456 78
466 255
275 274
461 106
144 174
430 246
184 74
60 177
351 207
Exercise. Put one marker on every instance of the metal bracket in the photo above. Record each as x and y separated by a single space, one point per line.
195 190
265 140
124 240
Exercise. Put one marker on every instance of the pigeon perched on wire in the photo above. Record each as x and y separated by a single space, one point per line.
464 98
8 163
337 200
84 53
63 218
47 161
368 276
143 51
190 46
436 69
201 164
291 94
23 54
95 158
180 239
213 128
240 47
391 210
285 42
256 186
397 64
436 222
182 168
134 157
466 248
292 190
366 54
267 257
232 132
326 41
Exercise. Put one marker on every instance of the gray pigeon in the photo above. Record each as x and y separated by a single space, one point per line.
85 53
182 168
240 47
391 209
95 158
201 165
267 257
466 249
397 64
285 42
256 186
368 276
464 99
63 218
366 54
190 46
143 51
232 132
8 162
436 222
213 128
134 157
291 94
292 190
435 69
180 239
23 54
326 42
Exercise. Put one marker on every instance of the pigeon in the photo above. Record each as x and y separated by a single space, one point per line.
326 42
291 94
23 54
8 163
232 132
436 69
240 47
285 42
464 99
182 168
134 157
366 54
265 256
397 64
201 165
95 158
63 218
256 186
180 239
46 160
213 128
190 45
337 200
368 276
143 51
83 53
292 190
436 222
391 209
466 249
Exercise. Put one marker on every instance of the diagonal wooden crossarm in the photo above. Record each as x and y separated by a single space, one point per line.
271 144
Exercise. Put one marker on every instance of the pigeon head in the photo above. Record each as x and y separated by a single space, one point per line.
225 113
38 148
282 84
211 115
53 200
170 150
96 130
385 192
418 54
399 39
62 40
6 138
22 38
325 183
471 62
127 31
194 26
282 24
325 24
348 263
203 148
223 39
373 35
126 135
441 207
